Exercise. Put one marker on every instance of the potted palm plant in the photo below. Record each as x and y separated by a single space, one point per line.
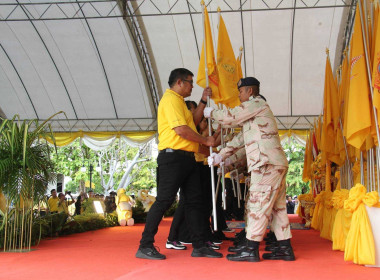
25 171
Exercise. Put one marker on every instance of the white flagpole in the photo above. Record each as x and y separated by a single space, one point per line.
209 120
222 143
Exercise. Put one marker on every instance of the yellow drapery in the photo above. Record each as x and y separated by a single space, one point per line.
328 216
66 138
315 222
338 232
360 245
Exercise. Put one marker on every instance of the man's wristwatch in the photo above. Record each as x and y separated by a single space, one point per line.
204 102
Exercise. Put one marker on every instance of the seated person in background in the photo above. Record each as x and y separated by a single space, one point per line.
110 204
91 194
53 201
78 203
289 205
63 204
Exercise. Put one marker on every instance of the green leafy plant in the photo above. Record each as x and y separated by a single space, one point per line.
25 171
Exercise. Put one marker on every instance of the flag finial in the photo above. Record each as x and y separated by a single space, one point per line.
202 3
218 9
327 51
241 49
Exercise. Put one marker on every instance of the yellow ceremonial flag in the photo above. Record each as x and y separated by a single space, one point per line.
317 130
330 115
376 67
305 174
308 160
239 70
227 69
359 108
211 65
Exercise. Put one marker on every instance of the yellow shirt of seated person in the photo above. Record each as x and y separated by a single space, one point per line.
172 112
53 204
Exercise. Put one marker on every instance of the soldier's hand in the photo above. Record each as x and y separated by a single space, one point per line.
214 159
206 92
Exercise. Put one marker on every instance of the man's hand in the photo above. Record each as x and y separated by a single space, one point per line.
207 112
210 141
206 92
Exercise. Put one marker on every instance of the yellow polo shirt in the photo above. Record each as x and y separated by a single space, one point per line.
53 204
172 112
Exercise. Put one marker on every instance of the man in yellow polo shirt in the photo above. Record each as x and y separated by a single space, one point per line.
53 201
178 141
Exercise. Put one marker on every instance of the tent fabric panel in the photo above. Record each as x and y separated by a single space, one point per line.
30 58
311 37
267 44
13 91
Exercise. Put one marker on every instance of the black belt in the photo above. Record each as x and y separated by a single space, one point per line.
180 152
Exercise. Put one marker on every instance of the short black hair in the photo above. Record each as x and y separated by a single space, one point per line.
53 190
191 103
178 73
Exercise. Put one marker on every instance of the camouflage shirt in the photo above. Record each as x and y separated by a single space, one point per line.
260 133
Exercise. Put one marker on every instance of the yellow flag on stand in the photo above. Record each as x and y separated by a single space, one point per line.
211 64
376 68
305 171
359 108
330 116
227 69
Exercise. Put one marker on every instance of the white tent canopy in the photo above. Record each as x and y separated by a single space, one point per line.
108 72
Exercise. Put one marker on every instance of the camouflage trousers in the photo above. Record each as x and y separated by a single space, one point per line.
266 200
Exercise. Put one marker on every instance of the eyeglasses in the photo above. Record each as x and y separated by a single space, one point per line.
189 81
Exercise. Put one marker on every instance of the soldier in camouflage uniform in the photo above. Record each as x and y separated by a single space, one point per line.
268 166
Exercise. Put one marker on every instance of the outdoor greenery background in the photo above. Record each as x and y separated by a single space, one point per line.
295 155
70 159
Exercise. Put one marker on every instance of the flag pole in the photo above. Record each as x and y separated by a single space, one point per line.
370 84
209 120
222 143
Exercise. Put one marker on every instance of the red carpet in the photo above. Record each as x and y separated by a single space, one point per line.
109 254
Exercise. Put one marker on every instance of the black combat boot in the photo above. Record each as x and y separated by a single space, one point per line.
284 251
240 237
270 239
270 236
247 253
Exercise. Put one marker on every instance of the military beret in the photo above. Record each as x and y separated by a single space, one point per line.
249 81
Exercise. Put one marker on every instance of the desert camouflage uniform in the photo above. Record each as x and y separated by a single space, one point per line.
267 163
235 152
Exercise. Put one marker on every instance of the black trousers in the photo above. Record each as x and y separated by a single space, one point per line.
176 171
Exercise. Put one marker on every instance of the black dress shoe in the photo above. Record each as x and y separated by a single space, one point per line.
149 253
205 252
248 254
281 253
